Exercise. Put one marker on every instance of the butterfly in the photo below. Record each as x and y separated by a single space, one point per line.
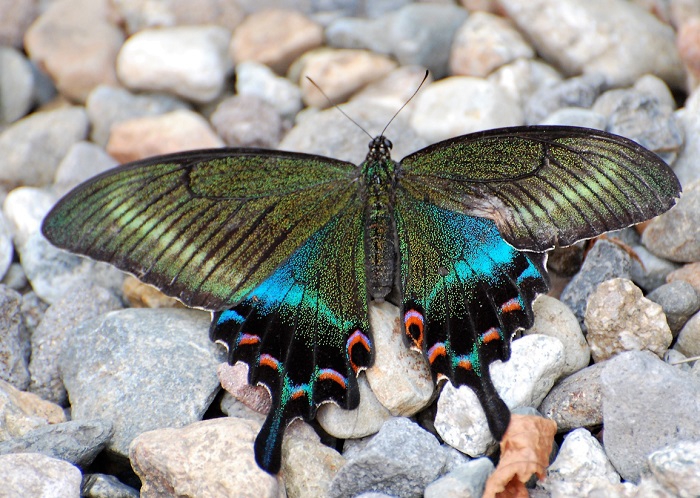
287 249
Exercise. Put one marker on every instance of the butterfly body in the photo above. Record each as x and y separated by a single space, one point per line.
287 249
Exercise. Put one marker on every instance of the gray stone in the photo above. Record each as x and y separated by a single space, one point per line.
400 460
83 301
105 486
14 340
523 77
619 318
679 300
15 19
82 161
466 481
394 90
619 40
576 401
649 271
535 364
678 360
605 261
107 106
33 474
575 116
688 341
580 91
77 441
15 278
647 405
686 166
247 121
253 78
675 235
462 104
580 467
419 34
553 318
133 362
152 60
16 85
676 467
32 147
24 209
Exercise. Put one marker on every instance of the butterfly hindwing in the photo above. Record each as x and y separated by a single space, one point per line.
304 331
204 226
544 185
465 292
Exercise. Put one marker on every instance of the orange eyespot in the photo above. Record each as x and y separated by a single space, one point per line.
437 350
511 305
413 321
491 334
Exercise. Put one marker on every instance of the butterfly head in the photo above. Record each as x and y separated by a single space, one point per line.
380 148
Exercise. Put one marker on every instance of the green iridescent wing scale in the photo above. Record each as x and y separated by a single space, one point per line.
544 186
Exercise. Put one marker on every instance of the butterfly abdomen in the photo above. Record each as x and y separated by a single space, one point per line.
380 250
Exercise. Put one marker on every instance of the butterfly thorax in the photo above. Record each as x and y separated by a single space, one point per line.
378 178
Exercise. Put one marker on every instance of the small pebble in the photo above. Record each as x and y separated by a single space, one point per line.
187 61
575 116
105 486
686 166
33 474
649 271
23 412
138 15
466 481
15 19
16 84
253 78
247 121
14 341
689 273
679 301
523 77
580 91
82 161
688 341
676 468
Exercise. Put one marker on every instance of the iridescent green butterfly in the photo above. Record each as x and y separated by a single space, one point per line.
287 249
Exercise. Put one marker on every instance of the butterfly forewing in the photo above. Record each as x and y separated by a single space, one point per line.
205 226
543 185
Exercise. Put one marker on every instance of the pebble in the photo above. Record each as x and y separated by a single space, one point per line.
485 42
16 18
643 118
188 61
689 273
553 318
22 412
686 167
321 463
148 136
678 360
339 72
275 37
364 420
580 91
577 400
117 351
649 271
580 468
234 379
603 262
651 400
688 41
258 80
207 458
105 486
394 90
76 441
16 84
247 121
107 105
676 468
679 301
138 15
6 247
575 116
24 208
33 147
76 43
466 481
400 377
401 460
523 77
688 341
81 302
33 474
536 362
14 341
461 104
141 295
618 40
82 161
675 235
619 318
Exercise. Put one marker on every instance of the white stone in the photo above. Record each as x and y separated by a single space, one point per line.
461 104
553 318
189 61
253 78
536 362
25 208
400 377
677 468
364 420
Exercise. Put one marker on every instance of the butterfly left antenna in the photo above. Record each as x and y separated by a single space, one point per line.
337 107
